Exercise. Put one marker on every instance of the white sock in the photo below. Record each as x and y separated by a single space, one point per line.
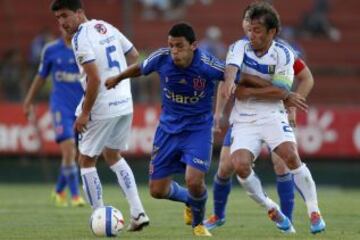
92 187
253 187
306 186
127 183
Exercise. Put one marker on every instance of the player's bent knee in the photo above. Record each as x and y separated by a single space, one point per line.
292 159
195 186
225 173
157 192
242 166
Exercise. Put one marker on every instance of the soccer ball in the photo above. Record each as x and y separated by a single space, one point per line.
106 222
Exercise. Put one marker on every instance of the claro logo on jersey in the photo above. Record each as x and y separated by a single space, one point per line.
63 76
100 28
178 98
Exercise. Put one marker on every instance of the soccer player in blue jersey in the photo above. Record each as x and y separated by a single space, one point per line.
284 182
259 113
183 140
58 61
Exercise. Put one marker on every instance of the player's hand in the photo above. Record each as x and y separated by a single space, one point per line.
81 122
217 122
292 116
227 89
111 82
297 101
29 111
242 92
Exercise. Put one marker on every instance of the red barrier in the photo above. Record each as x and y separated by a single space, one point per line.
323 132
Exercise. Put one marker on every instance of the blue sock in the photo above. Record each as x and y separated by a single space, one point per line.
178 193
285 189
197 208
221 190
61 182
72 178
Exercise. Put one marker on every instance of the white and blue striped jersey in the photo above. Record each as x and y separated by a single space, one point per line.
98 41
276 66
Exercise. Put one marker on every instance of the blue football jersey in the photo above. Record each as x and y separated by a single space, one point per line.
187 93
58 60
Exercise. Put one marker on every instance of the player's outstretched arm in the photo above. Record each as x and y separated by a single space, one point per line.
228 86
272 93
253 81
132 71
36 85
132 56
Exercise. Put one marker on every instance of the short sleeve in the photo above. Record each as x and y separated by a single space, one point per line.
216 69
125 43
284 71
299 65
235 54
82 47
45 63
151 63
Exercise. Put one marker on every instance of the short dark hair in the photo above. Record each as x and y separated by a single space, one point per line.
72 5
266 14
183 30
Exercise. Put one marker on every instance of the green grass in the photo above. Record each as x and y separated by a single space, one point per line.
26 213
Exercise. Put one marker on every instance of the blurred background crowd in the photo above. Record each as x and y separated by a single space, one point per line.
326 32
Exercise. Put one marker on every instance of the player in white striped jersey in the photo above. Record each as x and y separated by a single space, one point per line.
103 116
259 113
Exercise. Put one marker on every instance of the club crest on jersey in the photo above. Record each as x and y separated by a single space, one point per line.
199 83
100 28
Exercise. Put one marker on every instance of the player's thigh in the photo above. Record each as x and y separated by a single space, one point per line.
246 136
277 130
196 147
165 156
120 133
92 141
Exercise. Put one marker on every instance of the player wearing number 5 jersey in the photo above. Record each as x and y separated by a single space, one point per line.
103 116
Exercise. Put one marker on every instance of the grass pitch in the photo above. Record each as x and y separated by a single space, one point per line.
27 213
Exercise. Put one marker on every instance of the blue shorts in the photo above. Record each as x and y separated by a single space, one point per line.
63 125
227 138
172 152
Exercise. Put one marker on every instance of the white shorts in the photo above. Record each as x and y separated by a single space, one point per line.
112 133
273 130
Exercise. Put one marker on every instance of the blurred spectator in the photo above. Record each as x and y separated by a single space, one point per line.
37 45
213 42
13 79
167 9
316 23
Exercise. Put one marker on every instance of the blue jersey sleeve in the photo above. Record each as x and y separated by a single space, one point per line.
151 64
45 63
215 67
